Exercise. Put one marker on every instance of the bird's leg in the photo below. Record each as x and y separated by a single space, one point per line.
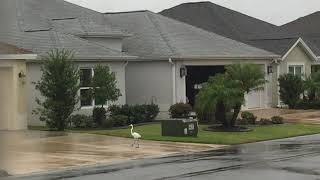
138 144
134 141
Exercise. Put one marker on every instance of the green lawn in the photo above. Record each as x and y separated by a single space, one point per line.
263 133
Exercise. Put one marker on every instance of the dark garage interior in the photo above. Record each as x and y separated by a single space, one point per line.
198 75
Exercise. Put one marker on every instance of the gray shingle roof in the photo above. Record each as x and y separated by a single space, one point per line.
34 13
35 33
220 20
155 35
9 49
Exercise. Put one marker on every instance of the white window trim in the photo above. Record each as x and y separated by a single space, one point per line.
297 64
93 103
86 88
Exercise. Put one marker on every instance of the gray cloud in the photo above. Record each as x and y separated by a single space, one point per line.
273 11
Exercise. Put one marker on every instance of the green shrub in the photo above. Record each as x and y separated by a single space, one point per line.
243 122
305 104
180 110
119 120
265 122
277 120
136 113
99 115
81 121
151 112
291 88
249 117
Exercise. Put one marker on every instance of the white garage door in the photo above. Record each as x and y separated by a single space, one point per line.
5 97
255 100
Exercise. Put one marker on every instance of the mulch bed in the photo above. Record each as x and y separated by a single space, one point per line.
219 128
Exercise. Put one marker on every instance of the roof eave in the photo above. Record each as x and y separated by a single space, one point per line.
18 56
271 57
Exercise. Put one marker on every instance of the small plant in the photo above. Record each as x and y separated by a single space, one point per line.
151 112
99 115
180 110
277 120
119 120
265 122
291 88
81 121
249 117
242 122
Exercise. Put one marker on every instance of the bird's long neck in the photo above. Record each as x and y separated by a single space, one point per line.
132 130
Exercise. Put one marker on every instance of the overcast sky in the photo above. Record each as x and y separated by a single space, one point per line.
274 11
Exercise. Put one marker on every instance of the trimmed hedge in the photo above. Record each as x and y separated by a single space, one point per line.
180 110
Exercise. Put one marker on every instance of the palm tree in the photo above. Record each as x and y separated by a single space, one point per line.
220 95
224 93
249 76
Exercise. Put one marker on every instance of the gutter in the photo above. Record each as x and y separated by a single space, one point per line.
173 69
18 56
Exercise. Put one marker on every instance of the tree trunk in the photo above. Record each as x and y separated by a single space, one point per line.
236 112
221 114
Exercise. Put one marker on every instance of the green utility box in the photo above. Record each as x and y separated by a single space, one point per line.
180 127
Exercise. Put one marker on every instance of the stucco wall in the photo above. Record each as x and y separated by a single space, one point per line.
149 81
34 75
13 113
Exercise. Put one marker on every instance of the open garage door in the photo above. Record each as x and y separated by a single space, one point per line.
6 93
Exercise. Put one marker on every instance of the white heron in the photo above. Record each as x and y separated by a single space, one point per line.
136 137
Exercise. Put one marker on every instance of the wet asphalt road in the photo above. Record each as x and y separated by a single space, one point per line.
287 159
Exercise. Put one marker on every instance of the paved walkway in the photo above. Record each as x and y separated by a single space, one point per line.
305 117
36 152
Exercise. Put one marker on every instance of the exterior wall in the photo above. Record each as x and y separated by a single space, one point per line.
34 75
112 43
13 112
297 56
148 82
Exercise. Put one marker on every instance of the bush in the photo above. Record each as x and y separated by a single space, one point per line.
265 122
137 113
277 120
99 115
291 88
119 120
243 122
180 110
305 104
81 121
249 118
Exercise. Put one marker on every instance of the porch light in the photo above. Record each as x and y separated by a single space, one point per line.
183 71
270 69
21 75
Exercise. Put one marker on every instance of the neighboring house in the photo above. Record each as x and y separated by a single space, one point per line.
176 58
296 43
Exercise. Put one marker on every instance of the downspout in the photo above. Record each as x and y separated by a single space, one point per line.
125 81
174 98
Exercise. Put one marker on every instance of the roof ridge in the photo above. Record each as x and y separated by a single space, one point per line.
157 27
126 12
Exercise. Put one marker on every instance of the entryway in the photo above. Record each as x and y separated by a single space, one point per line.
6 95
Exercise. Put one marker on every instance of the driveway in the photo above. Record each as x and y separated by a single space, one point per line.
36 152
286 159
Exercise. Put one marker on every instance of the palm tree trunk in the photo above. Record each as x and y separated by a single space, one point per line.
236 112
221 114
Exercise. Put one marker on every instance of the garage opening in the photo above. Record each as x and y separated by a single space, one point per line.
197 75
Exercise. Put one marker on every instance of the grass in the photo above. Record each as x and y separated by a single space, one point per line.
261 133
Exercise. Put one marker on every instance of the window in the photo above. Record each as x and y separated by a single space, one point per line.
86 100
296 69
85 78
